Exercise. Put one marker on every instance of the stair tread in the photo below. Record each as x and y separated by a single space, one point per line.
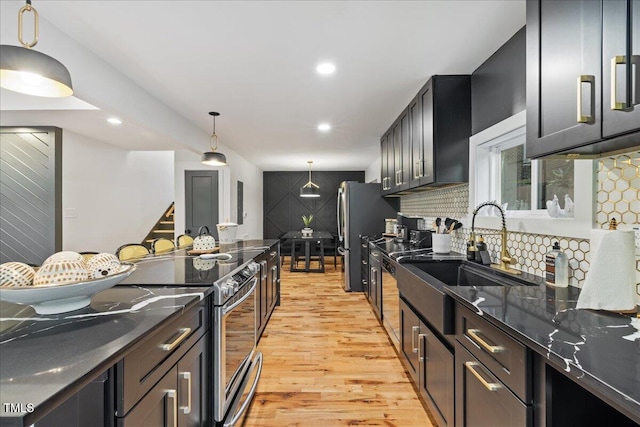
164 231
167 222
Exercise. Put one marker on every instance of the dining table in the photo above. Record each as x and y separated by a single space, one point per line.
317 237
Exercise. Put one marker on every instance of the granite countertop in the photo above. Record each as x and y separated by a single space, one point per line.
411 255
46 358
597 349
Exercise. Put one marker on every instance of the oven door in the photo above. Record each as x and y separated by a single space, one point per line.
235 359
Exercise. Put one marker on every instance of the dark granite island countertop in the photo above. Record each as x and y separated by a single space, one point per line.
44 359
598 350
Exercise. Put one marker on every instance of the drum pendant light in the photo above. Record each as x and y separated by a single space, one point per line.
213 158
24 70
310 189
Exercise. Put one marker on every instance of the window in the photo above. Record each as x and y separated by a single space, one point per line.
499 170
521 184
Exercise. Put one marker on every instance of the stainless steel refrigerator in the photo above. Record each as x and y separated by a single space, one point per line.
361 212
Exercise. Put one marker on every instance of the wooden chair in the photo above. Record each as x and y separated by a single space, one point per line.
161 245
131 251
184 241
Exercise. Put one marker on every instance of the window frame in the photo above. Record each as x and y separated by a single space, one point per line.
483 176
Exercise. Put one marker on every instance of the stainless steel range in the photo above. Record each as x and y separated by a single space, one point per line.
236 363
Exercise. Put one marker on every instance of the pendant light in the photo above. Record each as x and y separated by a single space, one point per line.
213 158
24 70
310 189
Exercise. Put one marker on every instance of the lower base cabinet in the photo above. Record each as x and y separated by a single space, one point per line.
430 364
179 399
482 399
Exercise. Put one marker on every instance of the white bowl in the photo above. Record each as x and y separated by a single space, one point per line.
60 298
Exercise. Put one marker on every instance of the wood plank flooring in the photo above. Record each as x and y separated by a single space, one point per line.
328 362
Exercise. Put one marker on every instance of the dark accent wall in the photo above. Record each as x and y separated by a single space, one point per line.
498 86
283 206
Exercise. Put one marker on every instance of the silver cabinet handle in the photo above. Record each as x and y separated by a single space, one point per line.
173 407
364 262
186 376
475 335
421 339
414 333
184 333
263 264
471 366
580 116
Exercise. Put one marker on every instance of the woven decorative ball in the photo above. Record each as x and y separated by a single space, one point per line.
102 265
61 272
65 256
16 274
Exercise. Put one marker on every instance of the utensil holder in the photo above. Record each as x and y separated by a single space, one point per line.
441 243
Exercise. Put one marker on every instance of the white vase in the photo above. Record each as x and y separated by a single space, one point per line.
307 232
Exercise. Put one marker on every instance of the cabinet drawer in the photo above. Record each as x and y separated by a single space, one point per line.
508 359
140 370
482 399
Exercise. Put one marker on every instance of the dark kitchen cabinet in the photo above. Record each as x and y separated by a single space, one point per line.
401 152
577 96
268 287
430 364
621 67
375 282
387 163
179 399
493 374
431 136
364 263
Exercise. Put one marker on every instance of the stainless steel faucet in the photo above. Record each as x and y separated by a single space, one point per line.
506 260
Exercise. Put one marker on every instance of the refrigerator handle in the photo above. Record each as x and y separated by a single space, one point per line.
338 216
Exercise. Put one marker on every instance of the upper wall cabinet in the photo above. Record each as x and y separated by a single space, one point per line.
582 99
430 137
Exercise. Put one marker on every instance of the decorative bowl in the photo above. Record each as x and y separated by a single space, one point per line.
61 298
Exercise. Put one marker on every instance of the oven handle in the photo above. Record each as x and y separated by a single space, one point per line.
226 310
252 391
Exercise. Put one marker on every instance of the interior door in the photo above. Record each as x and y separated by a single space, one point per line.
31 194
201 201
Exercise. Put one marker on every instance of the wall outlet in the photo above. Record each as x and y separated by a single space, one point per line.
636 231
72 213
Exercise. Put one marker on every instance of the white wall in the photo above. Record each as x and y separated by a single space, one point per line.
372 174
116 195
238 170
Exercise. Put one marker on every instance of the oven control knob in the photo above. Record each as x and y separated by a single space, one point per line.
232 285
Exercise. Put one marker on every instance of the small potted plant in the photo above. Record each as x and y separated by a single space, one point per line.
307 231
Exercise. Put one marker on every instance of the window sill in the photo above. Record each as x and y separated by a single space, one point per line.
561 227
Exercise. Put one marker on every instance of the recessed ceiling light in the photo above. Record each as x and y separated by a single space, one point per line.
114 121
326 68
324 127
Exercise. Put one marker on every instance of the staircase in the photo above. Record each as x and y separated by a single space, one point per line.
164 227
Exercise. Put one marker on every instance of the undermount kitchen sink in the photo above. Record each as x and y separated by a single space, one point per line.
446 272
471 274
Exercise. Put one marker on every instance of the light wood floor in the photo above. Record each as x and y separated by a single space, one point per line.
328 362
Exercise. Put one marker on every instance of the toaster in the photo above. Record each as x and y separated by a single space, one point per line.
420 238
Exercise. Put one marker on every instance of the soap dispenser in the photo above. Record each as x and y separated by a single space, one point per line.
556 267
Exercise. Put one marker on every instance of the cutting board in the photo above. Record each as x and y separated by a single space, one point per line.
203 251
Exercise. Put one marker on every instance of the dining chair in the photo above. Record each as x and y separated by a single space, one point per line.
161 245
131 251
184 241
87 255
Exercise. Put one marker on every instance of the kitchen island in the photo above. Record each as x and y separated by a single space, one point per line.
51 361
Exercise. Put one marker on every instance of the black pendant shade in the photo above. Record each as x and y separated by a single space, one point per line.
27 71
213 158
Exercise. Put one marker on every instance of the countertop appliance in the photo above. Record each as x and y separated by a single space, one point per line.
420 238
405 225
236 363
361 212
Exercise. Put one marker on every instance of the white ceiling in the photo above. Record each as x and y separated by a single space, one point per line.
254 62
